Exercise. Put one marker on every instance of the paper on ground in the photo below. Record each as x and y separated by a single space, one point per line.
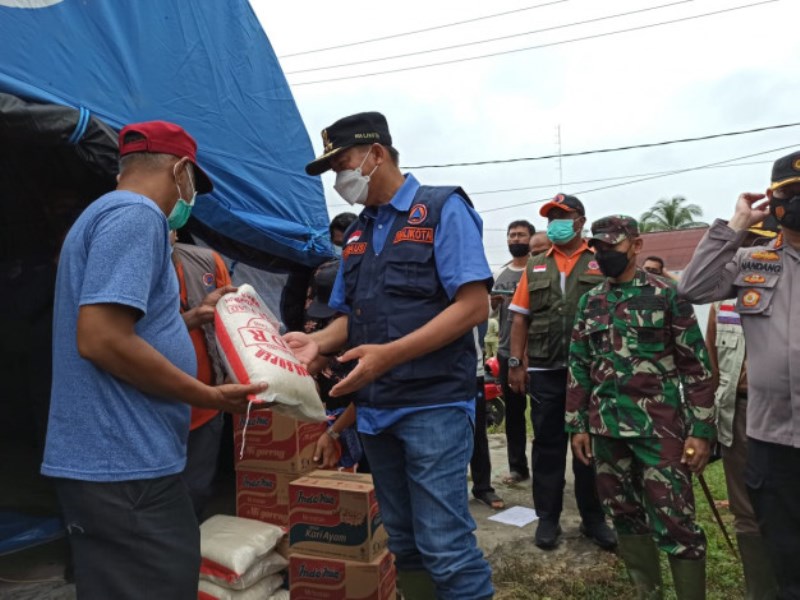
518 516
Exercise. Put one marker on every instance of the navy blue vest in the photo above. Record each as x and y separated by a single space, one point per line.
398 291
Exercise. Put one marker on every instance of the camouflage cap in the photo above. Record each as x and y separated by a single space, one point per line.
612 230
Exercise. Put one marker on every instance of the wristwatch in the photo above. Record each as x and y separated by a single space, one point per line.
332 434
514 362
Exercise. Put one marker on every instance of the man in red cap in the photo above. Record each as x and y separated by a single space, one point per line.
124 376
544 307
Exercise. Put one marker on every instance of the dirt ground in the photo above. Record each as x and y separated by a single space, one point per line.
500 542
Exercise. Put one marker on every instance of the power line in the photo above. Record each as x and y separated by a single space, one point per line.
489 40
607 150
426 29
602 179
615 185
547 45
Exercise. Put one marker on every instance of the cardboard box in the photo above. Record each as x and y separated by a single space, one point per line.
317 578
336 514
274 442
264 496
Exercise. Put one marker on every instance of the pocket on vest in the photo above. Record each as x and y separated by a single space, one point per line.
539 339
412 277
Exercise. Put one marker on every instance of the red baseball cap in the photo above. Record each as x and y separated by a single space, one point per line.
161 137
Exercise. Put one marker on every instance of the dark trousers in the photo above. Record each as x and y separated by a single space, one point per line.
202 452
548 390
772 476
516 435
480 464
131 539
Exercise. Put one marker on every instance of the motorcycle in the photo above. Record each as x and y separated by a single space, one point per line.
493 393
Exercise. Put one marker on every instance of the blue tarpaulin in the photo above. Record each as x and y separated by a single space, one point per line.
204 64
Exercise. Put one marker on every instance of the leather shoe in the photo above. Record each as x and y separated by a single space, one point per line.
600 533
547 534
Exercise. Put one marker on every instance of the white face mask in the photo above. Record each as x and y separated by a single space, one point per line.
352 185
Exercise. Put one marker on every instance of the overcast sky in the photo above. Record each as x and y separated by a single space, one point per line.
721 73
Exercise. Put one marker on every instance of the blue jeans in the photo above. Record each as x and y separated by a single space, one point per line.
419 466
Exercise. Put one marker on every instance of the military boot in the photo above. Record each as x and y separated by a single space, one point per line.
416 585
689 578
640 555
759 578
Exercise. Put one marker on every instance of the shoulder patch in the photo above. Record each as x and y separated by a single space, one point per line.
765 255
355 236
751 298
539 268
754 278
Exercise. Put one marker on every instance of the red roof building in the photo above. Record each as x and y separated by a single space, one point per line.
675 247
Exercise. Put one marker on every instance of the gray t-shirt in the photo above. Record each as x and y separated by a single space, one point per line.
506 284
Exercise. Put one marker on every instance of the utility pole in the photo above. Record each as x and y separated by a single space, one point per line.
560 169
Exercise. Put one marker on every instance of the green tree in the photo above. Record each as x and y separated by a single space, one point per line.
667 215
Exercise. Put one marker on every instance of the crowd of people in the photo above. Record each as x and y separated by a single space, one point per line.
608 357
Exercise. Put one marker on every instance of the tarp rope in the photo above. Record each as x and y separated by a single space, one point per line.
80 128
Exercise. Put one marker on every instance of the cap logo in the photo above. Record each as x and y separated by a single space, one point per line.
796 165
327 146
367 136
418 214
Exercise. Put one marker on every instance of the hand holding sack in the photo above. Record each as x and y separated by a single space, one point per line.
249 342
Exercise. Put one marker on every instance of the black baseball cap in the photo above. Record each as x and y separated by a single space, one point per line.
786 170
564 202
321 288
355 130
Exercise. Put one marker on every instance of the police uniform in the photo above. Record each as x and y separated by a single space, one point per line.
763 280
634 345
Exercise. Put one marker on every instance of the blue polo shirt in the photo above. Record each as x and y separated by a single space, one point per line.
459 256
100 427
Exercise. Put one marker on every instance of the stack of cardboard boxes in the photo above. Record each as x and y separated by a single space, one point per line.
337 539
272 452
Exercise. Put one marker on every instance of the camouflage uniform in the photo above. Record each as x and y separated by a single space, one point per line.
633 345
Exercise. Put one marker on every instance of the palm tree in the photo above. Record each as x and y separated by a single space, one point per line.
667 215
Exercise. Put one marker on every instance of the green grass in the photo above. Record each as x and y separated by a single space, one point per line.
525 578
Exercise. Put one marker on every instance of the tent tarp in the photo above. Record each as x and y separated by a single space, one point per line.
206 65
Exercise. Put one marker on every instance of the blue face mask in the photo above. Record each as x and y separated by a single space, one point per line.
561 231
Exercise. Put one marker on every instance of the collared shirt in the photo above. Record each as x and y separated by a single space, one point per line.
459 257
767 288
